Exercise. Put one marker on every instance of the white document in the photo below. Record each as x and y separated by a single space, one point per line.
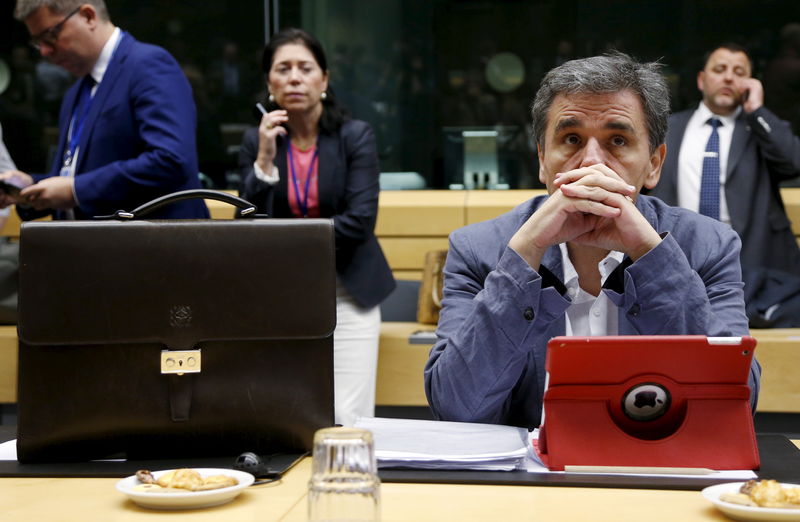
423 444
8 450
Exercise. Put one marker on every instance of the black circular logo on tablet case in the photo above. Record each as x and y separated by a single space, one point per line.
646 401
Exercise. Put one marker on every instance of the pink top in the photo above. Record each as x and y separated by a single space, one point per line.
302 169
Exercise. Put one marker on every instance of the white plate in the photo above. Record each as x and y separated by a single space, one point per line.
738 512
190 499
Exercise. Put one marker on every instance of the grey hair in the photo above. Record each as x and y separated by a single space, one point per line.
25 8
605 74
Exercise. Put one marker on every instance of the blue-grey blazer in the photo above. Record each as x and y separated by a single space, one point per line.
498 313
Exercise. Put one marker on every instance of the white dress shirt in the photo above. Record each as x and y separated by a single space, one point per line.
690 158
97 73
590 315
272 178
101 65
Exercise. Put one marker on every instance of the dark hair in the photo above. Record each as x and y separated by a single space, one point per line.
609 73
731 46
333 113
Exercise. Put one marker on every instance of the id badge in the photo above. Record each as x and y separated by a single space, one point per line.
68 167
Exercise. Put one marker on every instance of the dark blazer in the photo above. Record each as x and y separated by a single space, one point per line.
763 153
138 142
348 192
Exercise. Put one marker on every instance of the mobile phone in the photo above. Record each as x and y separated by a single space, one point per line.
8 188
745 95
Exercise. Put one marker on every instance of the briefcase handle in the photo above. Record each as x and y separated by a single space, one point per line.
245 208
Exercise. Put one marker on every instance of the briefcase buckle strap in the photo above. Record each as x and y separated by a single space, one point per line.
180 361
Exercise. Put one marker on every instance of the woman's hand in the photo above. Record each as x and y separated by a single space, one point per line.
269 129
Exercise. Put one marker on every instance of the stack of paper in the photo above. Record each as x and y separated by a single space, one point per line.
421 444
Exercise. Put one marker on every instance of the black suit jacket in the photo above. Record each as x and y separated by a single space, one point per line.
348 192
763 152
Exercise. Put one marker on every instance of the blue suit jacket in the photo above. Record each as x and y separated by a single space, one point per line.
138 142
498 313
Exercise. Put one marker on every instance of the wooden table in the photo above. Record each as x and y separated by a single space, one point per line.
89 499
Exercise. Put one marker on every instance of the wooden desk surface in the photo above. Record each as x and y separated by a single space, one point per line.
90 499
39 499
69 499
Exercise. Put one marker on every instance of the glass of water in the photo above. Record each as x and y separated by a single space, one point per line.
344 483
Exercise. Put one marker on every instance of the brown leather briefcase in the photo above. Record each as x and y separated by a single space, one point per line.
172 339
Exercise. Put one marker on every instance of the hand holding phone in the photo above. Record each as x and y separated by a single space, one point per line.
8 188
752 94
271 125
11 183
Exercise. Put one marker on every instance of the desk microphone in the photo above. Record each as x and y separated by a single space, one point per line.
251 463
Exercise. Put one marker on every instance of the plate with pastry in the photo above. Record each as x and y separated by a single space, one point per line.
184 488
756 500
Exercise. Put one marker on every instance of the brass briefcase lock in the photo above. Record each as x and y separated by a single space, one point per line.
180 361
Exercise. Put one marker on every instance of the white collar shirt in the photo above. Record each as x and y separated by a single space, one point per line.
589 315
97 73
101 65
690 158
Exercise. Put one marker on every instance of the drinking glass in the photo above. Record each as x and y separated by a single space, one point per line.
344 483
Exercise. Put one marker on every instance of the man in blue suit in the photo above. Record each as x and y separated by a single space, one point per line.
127 126
592 258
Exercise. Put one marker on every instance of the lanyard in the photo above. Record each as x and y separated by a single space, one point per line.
302 205
78 120
84 104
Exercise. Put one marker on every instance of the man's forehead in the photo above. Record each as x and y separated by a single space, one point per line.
724 55
614 108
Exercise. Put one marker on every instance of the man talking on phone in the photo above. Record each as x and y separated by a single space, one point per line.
727 158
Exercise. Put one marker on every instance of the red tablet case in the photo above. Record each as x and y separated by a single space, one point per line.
706 420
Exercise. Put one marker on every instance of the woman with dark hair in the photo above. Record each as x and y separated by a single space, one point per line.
308 159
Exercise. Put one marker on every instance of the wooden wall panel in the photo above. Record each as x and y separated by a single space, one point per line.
408 253
487 204
420 212
8 364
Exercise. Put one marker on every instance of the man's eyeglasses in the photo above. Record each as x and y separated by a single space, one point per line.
50 35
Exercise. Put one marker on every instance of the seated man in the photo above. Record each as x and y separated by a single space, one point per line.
592 258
